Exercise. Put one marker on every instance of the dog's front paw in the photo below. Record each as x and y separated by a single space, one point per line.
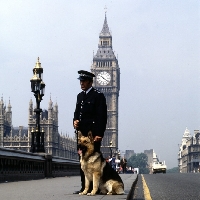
92 193
83 193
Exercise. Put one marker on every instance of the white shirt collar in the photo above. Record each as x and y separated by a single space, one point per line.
88 90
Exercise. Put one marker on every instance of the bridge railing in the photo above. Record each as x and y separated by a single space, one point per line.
18 165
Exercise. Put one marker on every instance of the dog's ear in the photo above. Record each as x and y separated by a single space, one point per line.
90 136
79 134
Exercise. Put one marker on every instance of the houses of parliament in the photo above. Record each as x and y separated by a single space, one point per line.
19 138
106 69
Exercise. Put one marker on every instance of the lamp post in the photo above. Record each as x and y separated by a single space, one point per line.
38 88
119 154
117 161
110 149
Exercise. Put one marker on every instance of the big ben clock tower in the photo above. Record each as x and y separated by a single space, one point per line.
105 67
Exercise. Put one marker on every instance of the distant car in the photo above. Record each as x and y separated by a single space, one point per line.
159 167
136 170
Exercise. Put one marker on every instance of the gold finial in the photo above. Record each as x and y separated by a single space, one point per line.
38 64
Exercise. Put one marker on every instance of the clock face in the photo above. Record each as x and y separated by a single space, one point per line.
103 78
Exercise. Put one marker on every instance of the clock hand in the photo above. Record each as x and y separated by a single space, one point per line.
103 78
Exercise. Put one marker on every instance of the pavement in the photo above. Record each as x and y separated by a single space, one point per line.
60 188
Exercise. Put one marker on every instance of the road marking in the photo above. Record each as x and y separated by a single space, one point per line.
147 195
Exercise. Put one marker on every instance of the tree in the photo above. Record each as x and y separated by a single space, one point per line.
173 170
140 161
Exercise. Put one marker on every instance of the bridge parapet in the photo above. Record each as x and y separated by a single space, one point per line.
18 165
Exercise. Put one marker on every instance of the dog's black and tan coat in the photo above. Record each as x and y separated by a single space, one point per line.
96 169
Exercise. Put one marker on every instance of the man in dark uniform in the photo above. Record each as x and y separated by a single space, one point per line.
90 113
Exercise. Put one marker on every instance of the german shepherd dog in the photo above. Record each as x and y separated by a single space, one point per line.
96 169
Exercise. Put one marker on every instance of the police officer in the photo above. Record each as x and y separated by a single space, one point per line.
90 113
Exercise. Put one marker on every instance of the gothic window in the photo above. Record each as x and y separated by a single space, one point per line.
104 43
195 156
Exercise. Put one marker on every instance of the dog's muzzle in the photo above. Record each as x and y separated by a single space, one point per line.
81 149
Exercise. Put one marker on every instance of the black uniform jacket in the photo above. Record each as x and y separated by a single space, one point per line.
91 111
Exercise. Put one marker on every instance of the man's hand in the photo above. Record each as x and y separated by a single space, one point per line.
97 138
76 123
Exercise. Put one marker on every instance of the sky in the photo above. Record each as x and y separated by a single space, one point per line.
158 47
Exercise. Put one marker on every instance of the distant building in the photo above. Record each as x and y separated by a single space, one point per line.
5 121
189 152
152 157
19 138
128 154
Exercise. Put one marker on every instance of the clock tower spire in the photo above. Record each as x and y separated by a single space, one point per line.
106 69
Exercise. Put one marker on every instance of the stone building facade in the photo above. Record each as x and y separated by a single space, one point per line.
189 152
152 157
106 68
19 138
5 121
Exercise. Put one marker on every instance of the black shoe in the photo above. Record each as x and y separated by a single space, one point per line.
79 191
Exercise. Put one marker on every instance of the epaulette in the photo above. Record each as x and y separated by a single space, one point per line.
95 90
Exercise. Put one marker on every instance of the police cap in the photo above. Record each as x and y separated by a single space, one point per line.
85 75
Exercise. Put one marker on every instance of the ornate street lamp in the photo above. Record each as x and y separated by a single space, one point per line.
38 88
110 149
